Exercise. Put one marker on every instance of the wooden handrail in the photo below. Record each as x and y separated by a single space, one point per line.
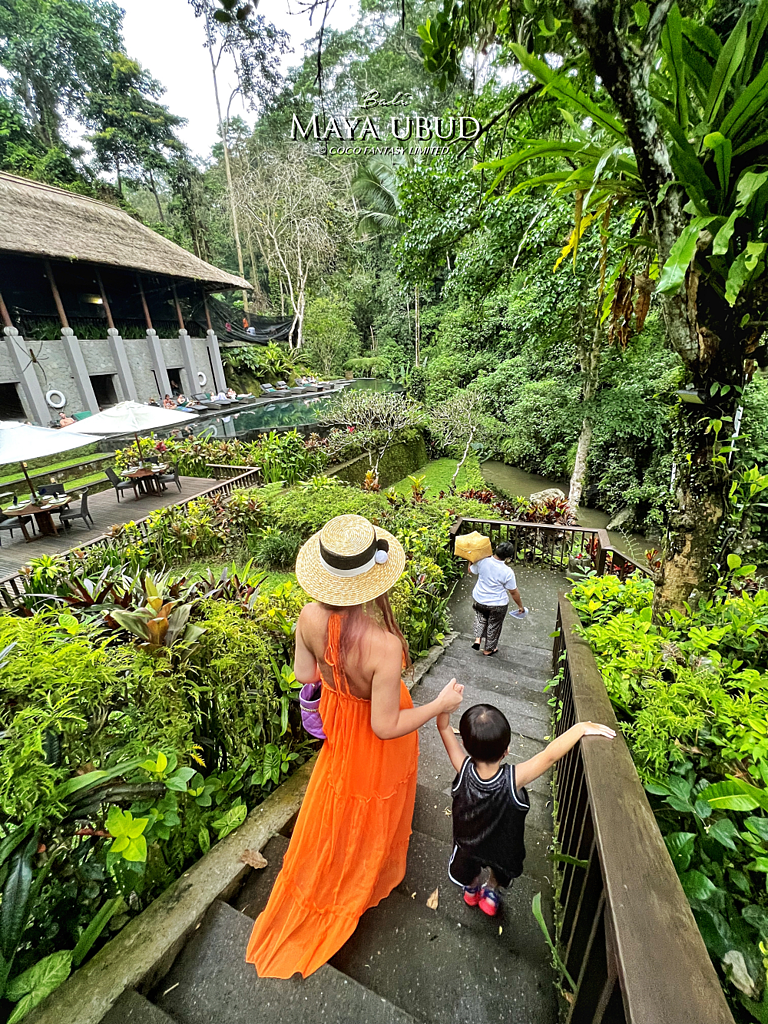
628 933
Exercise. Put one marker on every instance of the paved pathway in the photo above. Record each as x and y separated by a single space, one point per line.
406 963
106 511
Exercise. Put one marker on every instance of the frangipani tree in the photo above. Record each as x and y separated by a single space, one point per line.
675 131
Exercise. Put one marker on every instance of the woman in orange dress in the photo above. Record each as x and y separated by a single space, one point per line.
349 846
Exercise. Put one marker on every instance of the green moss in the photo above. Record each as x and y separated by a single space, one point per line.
402 458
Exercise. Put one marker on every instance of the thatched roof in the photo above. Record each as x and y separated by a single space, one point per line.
40 220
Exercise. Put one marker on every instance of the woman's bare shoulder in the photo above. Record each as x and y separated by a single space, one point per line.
312 616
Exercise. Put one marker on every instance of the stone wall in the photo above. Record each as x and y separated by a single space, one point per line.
138 368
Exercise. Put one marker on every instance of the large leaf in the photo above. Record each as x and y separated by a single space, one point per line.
758 918
725 832
748 105
724 235
734 795
680 256
38 982
134 622
756 33
748 185
697 886
742 269
95 928
727 65
80 782
672 42
559 85
9 844
723 151
13 909
680 846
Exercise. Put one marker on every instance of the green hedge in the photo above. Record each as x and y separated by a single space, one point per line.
401 459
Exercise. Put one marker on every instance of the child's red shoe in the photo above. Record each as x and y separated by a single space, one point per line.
472 895
489 902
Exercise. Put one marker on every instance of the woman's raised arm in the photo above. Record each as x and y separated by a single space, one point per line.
388 719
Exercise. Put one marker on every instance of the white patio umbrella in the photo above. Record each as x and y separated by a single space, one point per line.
130 418
21 442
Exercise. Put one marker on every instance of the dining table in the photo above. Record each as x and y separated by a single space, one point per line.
42 510
145 478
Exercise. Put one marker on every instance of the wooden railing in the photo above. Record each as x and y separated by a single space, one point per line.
221 471
12 587
627 937
553 544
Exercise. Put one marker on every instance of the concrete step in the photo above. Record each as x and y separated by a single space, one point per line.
525 662
443 970
257 886
428 863
132 1008
210 983
524 716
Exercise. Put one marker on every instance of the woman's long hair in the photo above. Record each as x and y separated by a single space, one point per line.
354 625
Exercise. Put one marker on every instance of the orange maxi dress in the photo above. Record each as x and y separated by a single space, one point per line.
349 847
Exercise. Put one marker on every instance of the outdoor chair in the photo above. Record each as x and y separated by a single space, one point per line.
268 389
9 523
66 518
170 478
49 489
118 484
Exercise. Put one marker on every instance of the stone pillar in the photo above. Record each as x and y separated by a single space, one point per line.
79 369
218 368
117 348
158 364
190 364
22 363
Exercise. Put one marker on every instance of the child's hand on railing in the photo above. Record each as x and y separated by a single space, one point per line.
594 729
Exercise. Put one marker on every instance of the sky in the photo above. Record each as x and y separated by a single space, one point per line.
167 39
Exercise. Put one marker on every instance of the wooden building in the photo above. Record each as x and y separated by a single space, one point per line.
96 308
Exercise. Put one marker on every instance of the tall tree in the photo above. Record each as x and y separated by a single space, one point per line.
55 52
296 208
676 126
131 131
255 46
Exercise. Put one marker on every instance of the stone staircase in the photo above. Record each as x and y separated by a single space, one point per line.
406 963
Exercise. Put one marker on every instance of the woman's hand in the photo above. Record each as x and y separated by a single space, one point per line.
449 698
594 729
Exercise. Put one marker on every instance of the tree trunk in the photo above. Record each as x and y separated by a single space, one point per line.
590 365
225 144
699 325
157 197
417 323
119 178
579 475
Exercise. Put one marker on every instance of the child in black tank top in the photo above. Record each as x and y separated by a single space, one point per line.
490 802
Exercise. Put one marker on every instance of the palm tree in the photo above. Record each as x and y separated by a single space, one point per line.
375 185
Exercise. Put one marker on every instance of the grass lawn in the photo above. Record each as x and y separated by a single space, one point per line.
438 477
196 570
15 477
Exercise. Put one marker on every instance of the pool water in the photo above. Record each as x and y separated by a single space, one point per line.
297 411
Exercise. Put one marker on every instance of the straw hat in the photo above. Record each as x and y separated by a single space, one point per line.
473 546
349 562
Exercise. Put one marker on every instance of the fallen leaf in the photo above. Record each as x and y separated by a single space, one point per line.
413 895
432 901
253 859
500 929
568 997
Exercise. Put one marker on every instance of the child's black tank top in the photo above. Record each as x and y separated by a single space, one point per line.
489 818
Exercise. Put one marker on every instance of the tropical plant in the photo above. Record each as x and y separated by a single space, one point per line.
675 132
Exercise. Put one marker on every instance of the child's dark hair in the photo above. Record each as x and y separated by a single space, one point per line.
485 733
505 550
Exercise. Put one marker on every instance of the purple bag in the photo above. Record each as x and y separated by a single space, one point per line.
309 699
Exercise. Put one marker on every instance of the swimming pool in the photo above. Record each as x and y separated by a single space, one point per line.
297 411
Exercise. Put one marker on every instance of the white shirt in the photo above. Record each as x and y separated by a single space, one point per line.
495 579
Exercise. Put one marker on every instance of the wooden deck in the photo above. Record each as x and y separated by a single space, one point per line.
106 512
